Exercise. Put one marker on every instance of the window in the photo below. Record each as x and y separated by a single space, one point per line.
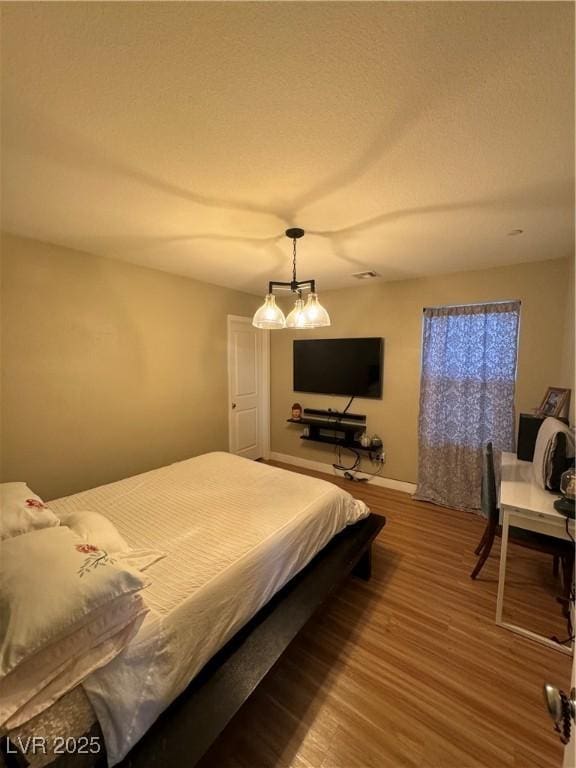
466 398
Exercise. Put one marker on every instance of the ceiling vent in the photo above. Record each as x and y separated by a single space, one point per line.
365 275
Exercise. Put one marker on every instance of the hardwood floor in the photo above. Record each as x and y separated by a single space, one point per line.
409 668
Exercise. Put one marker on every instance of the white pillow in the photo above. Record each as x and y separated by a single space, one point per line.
22 511
94 528
66 608
51 583
40 680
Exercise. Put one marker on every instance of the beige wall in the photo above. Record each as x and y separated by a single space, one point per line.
109 369
394 310
566 378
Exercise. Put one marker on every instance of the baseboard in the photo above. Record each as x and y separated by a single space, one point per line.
328 469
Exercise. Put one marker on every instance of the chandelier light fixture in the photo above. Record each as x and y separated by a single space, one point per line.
305 314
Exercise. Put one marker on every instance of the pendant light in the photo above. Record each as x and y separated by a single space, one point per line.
309 314
316 315
269 315
297 317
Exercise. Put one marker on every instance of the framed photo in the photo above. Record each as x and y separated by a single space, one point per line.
555 401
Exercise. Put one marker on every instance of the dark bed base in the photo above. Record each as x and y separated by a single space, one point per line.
190 725
185 731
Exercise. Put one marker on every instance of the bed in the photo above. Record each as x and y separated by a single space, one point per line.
235 534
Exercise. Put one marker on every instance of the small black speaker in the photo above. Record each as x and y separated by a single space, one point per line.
528 428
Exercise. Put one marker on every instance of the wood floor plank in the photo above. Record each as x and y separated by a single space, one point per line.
409 668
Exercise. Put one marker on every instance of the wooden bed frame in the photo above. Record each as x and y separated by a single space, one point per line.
189 726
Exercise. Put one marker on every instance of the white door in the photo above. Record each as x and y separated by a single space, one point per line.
248 388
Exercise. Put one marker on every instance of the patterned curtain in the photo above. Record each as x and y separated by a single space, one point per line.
466 398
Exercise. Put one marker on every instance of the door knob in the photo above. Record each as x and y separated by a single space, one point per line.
562 710
233 406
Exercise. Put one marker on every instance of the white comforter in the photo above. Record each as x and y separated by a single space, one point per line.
235 532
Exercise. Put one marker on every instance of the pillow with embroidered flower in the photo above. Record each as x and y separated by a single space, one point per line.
66 609
22 511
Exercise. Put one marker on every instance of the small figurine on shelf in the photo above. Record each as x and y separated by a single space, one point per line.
297 411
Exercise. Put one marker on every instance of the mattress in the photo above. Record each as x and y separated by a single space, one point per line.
234 532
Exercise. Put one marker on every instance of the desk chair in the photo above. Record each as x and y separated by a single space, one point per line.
562 551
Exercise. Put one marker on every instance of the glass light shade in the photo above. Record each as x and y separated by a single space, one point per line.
297 317
269 315
316 315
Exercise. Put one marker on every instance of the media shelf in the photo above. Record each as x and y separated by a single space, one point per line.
355 444
333 428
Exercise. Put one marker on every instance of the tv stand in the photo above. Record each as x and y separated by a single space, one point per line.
333 427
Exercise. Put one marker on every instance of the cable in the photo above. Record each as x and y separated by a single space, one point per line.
339 465
343 468
566 523
349 404
566 641
349 471
370 474
356 460
337 415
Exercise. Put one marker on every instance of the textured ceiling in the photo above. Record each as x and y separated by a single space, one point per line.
407 138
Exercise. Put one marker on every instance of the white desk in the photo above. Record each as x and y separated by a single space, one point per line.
523 504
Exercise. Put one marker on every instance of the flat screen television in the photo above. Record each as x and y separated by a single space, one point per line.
339 366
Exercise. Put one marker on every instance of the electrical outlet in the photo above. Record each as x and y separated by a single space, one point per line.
380 457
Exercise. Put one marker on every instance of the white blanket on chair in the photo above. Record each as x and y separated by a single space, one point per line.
542 465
